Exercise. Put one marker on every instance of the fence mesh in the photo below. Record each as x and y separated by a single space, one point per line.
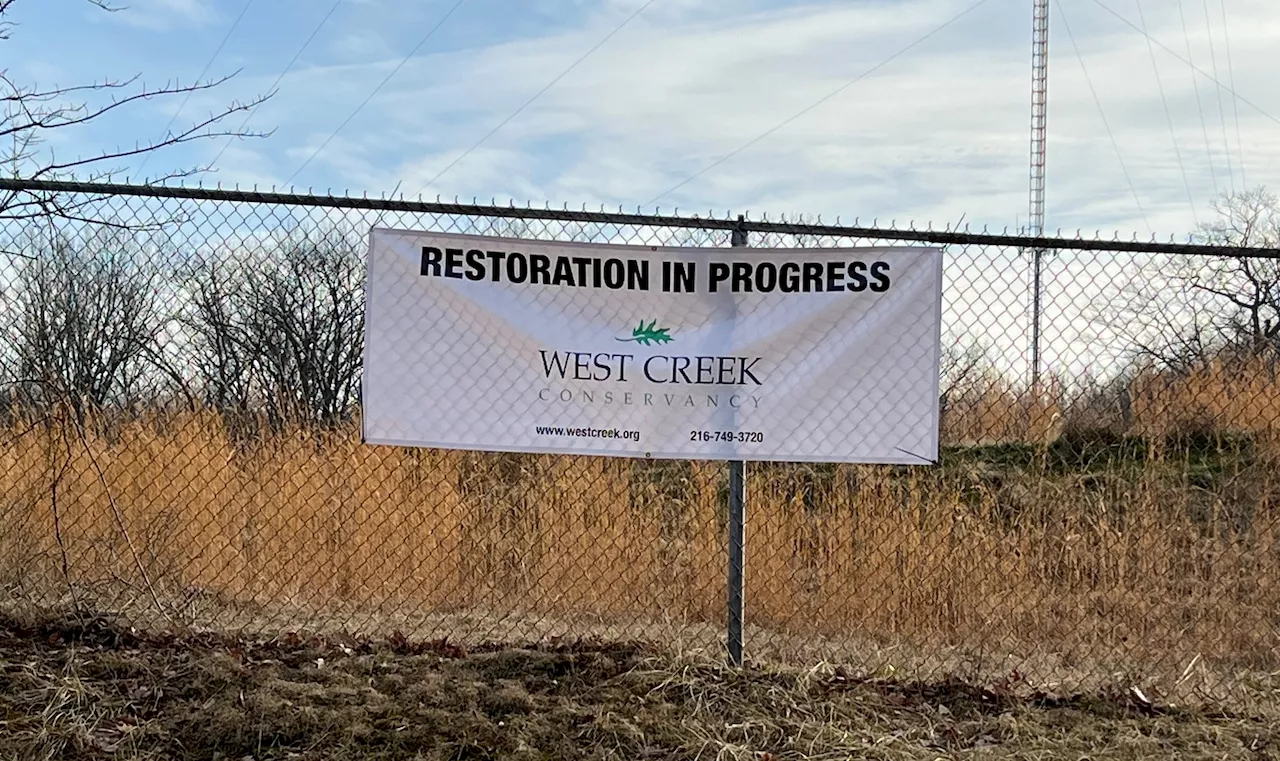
180 446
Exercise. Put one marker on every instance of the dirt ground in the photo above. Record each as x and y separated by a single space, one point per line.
88 688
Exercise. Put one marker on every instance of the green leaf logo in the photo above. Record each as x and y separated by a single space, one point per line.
651 333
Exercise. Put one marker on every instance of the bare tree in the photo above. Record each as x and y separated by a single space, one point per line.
961 365
216 321
1246 288
1168 324
31 114
281 329
965 369
84 317
1181 311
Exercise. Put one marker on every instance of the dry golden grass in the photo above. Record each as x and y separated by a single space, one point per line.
1162 561
1242 395
988 409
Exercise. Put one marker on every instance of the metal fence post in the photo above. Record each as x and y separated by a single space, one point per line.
737 525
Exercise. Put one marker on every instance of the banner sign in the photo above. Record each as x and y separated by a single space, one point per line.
820 354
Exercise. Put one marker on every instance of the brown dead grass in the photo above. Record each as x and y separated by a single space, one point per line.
1161 565
89 688
1239 395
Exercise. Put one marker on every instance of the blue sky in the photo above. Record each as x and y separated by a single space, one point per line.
938 133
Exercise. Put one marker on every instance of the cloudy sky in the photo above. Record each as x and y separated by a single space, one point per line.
751 105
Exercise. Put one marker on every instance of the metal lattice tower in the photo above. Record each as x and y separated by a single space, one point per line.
1039 133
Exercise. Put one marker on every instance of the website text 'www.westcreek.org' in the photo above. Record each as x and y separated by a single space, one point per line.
587 433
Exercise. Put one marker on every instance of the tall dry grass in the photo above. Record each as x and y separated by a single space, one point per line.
1224 394
1140 553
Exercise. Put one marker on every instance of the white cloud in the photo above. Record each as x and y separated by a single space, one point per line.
166 15
939 133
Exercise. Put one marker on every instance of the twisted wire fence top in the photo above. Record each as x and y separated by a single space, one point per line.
42 190
180 391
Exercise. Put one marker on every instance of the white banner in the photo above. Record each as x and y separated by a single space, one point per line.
637 351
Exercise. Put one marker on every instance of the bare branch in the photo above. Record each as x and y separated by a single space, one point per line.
1185 313
6 26
70 116
29 114
197 132
1223 293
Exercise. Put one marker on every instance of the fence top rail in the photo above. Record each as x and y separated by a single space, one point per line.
947 237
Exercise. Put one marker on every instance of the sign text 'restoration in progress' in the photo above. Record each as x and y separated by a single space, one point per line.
633 351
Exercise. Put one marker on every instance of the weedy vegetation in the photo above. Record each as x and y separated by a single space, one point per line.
90 688
1091 557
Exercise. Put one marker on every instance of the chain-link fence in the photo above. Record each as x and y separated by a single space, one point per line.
180 446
